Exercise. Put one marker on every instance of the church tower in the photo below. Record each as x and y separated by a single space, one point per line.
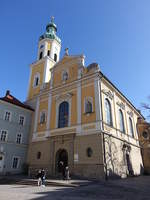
49 46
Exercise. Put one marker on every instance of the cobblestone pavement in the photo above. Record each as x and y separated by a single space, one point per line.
137 188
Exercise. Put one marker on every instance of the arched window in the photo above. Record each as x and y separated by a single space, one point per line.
41 55
108 112
63 114
131 127
121 121
48 53
55 57
36 80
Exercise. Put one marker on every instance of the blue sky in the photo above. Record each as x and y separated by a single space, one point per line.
113 33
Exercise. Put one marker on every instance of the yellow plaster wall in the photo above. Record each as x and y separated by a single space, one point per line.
43 106
72 74
74 109
88 91
36 69
53 114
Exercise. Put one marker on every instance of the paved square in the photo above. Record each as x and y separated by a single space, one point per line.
137 188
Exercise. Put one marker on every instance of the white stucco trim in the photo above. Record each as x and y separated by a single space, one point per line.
98 100
36 114
49 111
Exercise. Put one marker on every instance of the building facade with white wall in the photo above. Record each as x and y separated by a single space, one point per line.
15 123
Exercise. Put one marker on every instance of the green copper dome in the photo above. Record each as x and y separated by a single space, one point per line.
51 30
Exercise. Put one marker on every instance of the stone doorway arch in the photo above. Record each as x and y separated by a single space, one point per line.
61 156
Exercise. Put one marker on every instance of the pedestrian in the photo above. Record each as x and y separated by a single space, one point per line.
39 177
43 177
62 169
67 174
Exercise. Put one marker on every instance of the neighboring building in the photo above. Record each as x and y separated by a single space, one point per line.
81 118
144 138
15 120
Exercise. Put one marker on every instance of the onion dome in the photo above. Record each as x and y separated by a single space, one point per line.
51 30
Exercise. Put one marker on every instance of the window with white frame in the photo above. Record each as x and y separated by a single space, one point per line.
3 135
121 121
15 163
108 113
131 127
21 120
36 80
88 105
7 116
42 117
19 138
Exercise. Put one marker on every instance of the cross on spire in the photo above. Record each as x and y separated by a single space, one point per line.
52 19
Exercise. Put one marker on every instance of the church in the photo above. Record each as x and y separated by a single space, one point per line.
80 118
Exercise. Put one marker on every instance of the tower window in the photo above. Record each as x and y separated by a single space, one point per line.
36 81
48 53
55 57
41 55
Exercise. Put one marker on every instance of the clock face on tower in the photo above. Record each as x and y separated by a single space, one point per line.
41 46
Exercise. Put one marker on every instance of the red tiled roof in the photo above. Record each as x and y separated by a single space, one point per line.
11 99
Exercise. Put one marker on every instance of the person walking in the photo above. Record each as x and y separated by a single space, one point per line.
39 175
67 174
43 177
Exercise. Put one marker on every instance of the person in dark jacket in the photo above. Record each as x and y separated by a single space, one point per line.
43 177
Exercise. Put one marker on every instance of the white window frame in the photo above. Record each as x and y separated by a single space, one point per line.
37 75
86 99
17 138
9 117
6 135
17 163
23 120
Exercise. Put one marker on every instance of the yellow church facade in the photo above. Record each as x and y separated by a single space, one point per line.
80 117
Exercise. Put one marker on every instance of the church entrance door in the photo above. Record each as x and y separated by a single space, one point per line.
61 160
